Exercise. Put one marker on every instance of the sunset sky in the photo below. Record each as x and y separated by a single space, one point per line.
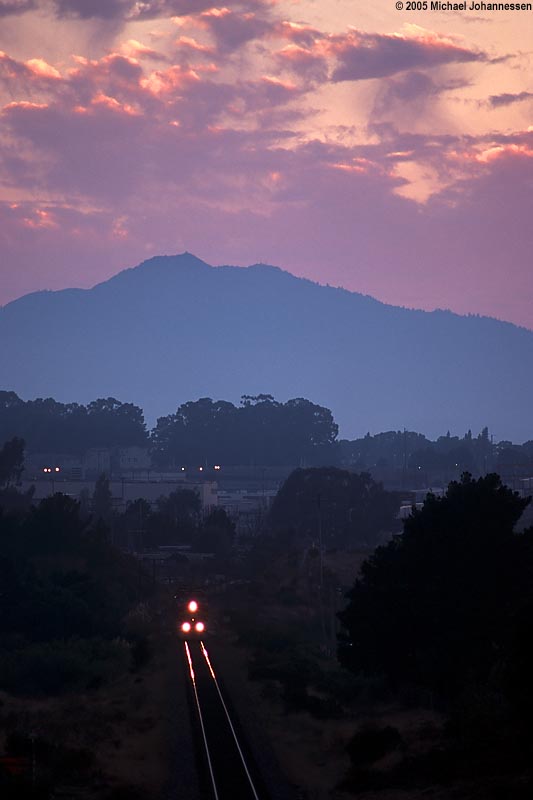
389 152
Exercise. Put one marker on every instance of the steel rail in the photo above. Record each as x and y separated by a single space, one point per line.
200 717
241 754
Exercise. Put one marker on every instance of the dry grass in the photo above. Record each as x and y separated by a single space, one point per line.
311 752
125 725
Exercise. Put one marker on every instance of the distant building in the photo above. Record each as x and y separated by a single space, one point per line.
36 466
117 462
247 509
97 461
131 462
123 491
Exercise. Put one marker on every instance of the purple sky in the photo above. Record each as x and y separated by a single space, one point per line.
387 152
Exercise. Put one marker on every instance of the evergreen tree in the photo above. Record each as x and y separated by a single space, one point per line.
102 505
433 607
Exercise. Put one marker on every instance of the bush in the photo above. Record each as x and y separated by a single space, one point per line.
370 744
141 652
56 667
340 684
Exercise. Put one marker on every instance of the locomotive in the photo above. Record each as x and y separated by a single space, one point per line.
192 619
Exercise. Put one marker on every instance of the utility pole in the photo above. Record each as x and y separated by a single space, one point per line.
319 526
321 568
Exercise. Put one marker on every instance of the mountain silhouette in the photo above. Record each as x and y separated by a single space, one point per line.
175 329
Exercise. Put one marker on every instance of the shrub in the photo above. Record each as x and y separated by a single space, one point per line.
55 667
141 652
370 744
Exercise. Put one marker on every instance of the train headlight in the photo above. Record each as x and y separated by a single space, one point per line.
186 627
193 606
199 627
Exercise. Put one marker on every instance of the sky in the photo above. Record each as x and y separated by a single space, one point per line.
386 151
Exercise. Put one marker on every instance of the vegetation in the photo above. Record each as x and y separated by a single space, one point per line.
342 509
65 595
260 431
440 615
285 610
434 607
176 520
420 460
11 461
433 688
49 426
81 631
448 608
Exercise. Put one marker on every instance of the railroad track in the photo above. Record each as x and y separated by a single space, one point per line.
228 769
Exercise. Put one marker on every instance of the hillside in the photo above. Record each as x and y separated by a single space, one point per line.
174 329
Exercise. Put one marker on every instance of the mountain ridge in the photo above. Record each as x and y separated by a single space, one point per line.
256 267
173 328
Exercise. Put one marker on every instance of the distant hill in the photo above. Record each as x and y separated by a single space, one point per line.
175 329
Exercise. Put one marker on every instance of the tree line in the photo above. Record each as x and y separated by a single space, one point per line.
259 431
448 455
49 426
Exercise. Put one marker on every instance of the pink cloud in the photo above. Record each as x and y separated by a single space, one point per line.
188 43
41 68
33 75
305 62
360 55
233 29
8 7
298 33
170 80
137 50
81 154
508 98
115 75
134 10
25 105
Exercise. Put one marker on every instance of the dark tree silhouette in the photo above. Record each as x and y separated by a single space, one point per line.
176 519
433 606
348 510
49 426
260 431
102 505
217 533
64 595
11 461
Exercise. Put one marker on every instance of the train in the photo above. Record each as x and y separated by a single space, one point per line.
192 616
